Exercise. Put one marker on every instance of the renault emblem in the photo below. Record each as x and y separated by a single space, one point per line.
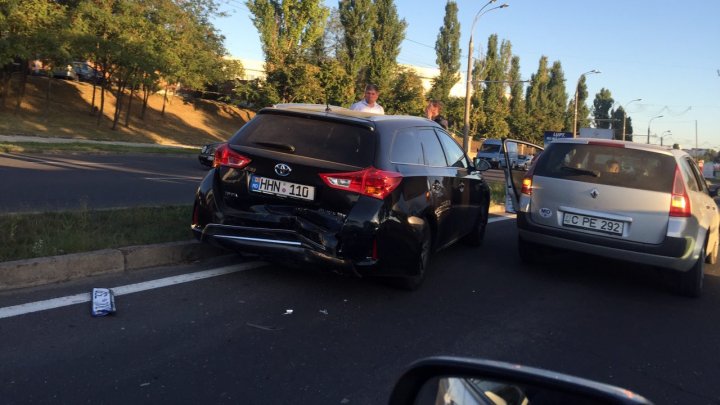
282 169
594 193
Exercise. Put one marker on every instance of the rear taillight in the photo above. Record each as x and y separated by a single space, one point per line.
224 156
371 182
526 186
679 200
527 181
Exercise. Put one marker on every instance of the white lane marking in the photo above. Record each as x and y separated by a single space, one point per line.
501 217
53 303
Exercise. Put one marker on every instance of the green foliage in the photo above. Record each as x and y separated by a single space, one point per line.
601 108
447 49
336 82
518 120
387 35
57 233
557 99
406 95
289 30
358 18
583 113
495 104
454 111
256 94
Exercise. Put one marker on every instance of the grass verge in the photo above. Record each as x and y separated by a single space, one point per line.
497 192
28 236
80 147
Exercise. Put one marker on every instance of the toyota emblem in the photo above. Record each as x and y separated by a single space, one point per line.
594 193
282 169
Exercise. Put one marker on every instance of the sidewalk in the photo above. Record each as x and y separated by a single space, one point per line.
42 139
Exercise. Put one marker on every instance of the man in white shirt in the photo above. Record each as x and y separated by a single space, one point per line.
369 103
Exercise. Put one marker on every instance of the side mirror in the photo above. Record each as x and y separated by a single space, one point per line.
490 382
481 165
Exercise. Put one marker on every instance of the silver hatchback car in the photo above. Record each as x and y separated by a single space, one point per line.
622 200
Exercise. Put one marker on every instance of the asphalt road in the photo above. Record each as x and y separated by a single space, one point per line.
227 339
36 183
33 183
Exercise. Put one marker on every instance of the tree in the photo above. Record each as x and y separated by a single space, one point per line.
28 29
557 98
495 103
358 18
517 120
387 35
406 95
617 116
289 29
447 49
536 98
601 108
583 112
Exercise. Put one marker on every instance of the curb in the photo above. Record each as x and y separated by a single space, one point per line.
55 269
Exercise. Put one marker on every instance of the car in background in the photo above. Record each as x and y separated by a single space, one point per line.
622 200
365 194
523 162
207 154
87 73
66 72
491 151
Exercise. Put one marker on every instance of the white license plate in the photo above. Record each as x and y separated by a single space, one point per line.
593 223
282 188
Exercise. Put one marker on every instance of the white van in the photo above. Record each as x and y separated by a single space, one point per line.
491 150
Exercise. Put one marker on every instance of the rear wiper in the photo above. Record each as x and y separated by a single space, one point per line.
274 145
577 171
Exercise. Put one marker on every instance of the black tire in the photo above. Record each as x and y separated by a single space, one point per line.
412 283
529 252
712 257
690 282
477 235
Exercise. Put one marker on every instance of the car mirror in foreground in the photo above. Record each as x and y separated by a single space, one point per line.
445 380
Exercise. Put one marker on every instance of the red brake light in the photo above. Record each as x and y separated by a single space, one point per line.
526 186
371 182
224 156
679 200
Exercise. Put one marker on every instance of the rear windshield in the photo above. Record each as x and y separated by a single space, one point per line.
314 138
615 166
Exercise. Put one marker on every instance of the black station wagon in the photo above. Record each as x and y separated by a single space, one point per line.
373 195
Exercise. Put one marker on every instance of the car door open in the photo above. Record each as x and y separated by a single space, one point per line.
515 173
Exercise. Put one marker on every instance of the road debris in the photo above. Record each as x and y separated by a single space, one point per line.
263 327
103 302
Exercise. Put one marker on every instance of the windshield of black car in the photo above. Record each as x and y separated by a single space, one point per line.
316 138
610 165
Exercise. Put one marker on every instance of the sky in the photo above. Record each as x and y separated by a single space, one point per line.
666 53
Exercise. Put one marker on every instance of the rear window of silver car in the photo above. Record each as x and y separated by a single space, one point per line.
315 138
609 165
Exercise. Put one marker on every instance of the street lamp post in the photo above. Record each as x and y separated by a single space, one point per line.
650 122
466 126
664 134
577 89
625 115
